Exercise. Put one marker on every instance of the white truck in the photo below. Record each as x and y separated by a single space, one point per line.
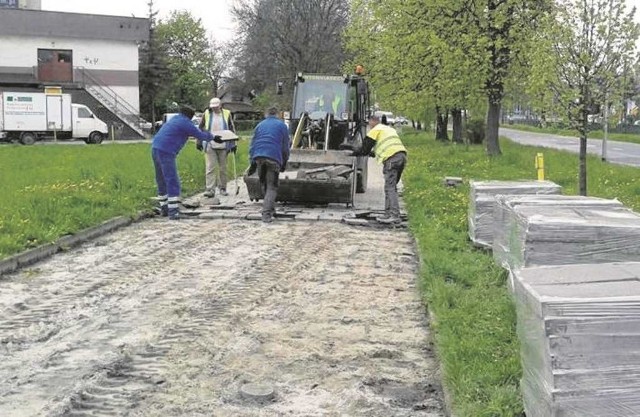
28 117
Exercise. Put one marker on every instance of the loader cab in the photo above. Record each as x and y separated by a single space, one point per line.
319 95
330 106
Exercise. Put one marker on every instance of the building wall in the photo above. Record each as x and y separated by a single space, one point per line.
113 63
30 4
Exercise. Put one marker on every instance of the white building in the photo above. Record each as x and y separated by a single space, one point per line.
93 57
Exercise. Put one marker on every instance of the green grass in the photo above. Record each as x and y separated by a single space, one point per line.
474 323
596 134
51 191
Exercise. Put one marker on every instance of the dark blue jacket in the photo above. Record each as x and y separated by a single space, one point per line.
270 140
173 135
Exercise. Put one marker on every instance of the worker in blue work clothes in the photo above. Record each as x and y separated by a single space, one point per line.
166 145
268 154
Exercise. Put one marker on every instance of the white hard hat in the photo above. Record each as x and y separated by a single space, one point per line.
215 102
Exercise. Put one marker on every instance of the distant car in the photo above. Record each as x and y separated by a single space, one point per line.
391 120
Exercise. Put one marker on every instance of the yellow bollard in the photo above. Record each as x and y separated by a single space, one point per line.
540 166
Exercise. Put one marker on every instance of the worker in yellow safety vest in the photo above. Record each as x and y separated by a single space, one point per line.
330 103
214 119
383 142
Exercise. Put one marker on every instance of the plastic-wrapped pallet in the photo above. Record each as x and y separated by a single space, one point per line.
504 216
482 199
579 330
546 235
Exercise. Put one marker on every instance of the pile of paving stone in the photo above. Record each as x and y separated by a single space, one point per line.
575 277
482 203
557 229
579 329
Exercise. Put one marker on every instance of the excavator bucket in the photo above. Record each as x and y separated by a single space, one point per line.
313 177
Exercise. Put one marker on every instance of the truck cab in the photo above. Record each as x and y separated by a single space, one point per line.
86 125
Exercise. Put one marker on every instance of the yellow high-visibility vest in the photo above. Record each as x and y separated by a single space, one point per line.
226 116
387 142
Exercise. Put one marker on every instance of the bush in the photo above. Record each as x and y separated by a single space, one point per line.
243 125
475 131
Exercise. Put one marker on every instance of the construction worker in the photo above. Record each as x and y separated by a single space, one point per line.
216 118
330 103
385 144
268 154
165 147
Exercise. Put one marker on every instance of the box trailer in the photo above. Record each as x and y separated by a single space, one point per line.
29 117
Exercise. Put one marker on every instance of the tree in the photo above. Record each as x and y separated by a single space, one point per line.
408 61
581 60
154 73
279 38
194 69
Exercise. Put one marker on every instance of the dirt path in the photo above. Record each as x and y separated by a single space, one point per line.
174 319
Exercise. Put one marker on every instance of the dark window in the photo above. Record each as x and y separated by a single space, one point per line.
84 113
55 65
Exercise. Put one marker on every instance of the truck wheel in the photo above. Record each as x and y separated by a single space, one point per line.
28 138
96 137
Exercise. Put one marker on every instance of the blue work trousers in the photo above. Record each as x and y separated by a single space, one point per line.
167 177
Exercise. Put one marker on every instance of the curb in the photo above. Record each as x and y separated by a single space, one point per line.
446 394
31 256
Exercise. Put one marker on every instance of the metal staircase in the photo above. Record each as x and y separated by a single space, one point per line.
111 100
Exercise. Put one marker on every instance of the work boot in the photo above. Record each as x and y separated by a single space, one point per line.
210 193
390 220
161 211
174 214
267 218
223 192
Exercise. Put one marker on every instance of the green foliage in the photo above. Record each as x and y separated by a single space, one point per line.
442 53
190 59
475 131
582 55
474 318
50 191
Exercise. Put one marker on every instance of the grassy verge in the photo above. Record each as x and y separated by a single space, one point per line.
474 317
51 191
596 134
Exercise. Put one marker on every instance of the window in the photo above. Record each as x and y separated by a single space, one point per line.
84 113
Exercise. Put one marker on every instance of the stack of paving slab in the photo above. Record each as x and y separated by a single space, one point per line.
538 235
524 223
579 330
482 201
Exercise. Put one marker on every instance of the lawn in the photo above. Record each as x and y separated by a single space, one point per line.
51 191
474 318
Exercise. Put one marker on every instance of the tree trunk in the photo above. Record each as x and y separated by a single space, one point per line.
456 115
493 122
582 181
442 120
419 126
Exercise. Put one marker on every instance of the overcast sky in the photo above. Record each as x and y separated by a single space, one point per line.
214 13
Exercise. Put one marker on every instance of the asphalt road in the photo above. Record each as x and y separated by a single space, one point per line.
622 153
